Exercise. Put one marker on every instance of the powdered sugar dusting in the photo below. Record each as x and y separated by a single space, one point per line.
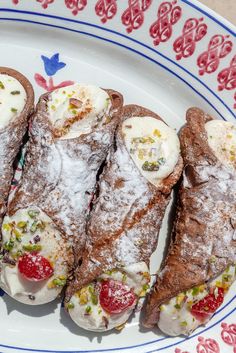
204 227
126 218
11 139
60 174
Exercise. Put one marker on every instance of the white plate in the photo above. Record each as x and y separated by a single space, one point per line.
115 44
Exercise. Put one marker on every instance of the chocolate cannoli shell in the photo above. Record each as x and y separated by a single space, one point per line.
205 224
60 174
11 138
126 217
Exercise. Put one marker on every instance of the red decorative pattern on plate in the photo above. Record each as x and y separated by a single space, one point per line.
227 76
167 16
218 48
133 16
106 9
45 3
76 5
208 345
193 31
50 86
228 335
235 100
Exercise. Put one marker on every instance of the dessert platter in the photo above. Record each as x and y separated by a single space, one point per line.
117 177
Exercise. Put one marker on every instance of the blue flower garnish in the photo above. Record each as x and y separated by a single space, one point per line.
52 65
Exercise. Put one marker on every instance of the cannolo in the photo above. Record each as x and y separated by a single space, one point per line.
200 264
16 105
70 135
122 231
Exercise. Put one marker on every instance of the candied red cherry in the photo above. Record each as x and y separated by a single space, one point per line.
115 296
34 267
203 309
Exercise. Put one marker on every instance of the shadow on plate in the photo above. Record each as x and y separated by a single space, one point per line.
29 310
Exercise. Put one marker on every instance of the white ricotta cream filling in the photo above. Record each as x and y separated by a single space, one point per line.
85 309
222 140
153 145
31 230
175 316
77 109
12 99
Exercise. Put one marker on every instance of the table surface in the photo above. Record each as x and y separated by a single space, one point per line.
226 8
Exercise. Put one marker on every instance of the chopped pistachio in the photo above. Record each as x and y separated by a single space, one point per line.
150 166
146 275
13 110
146 287
99 311
60 281
14 93
183 323
33 227
177 306
218 284
212 259
162 308
32 247
9 245
19 253
1 85
70 305
7 227
109 273
161 161
202 287
94 299
41 225
143 140
226 277
16 255
189 304
195 291
124 277
83 296
180 297
227 269
93 295
17 234
21 224
88 309
33 213
157 133
140 153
